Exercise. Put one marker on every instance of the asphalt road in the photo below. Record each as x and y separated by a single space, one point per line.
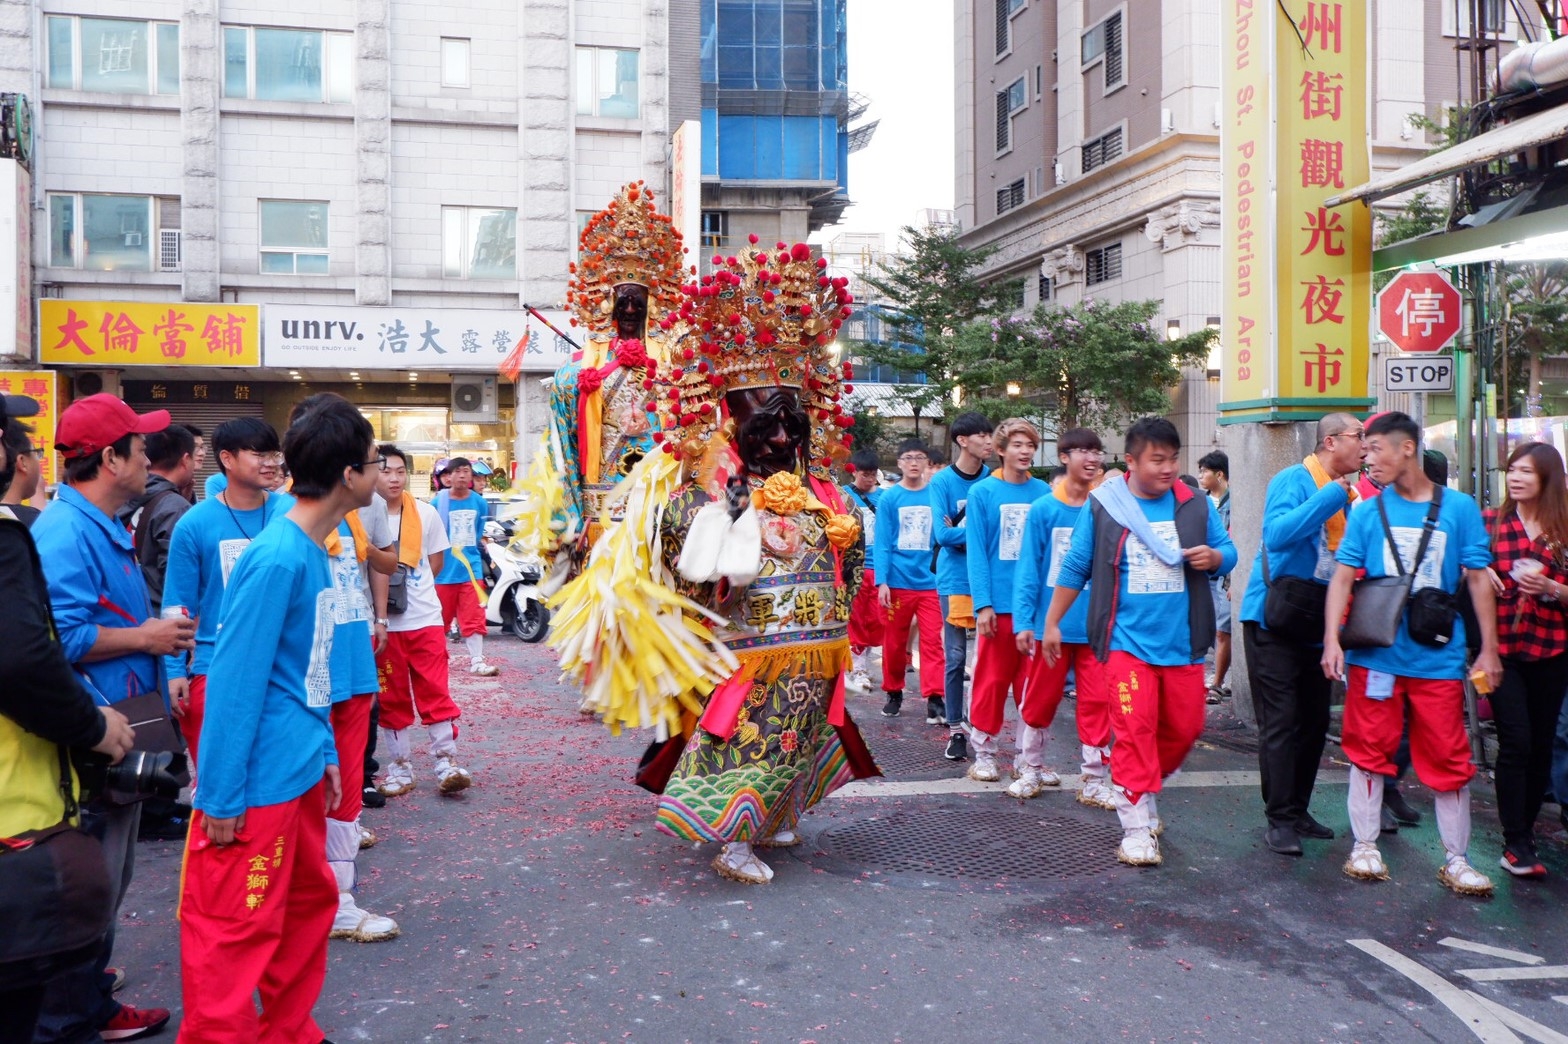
542 906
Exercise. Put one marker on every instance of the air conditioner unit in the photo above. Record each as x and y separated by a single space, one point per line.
169 250
474 400
92 382
133 239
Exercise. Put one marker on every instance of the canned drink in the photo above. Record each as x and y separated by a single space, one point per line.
175 612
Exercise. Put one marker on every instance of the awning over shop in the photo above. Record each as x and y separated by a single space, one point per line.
1517 136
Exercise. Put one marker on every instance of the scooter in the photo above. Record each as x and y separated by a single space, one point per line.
515 603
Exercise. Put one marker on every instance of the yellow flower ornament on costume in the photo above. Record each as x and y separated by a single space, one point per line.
843 531
783 494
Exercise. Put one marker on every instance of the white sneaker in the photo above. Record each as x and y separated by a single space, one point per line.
858 681
358 925
1463 878
367 838
984 769
399 778
1139 848
1027 785
483 669
451 778
1366 864
1096 793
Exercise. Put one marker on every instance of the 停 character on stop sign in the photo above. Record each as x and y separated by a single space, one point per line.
1422 308
1420 311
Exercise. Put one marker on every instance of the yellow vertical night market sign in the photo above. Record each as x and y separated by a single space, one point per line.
1297 275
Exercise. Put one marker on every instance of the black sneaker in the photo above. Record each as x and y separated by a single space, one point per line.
936 710
1306 826
957 748
1521 861
1387 824
895 703
374 798
1395 802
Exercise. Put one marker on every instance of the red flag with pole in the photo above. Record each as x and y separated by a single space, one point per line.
512 365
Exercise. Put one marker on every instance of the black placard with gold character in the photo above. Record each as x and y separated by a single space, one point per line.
187 392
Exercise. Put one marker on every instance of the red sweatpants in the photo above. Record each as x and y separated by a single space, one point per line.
351 734
867 621
195 714
254 916
1156 717
1439 745
413 668
1047 682
908 607
999 666
462 602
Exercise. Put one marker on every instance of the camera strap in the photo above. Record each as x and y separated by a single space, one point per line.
67 786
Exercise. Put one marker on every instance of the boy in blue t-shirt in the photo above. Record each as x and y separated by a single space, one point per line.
971 432
1048 534
464 514
906 586
1429 679
997 510
867 620
257 900
1150 545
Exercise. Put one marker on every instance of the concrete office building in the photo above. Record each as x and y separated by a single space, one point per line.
401 166
1088 146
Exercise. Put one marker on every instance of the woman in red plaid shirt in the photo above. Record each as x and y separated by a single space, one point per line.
1530 571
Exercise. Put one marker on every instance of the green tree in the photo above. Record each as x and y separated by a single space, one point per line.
870 431
1420 215
1096 364
1538 326
928 293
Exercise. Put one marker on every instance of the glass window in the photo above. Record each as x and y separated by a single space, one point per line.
113 55
293 237
168 58
607 82
295 65
101 233
454 62
62 231
478 243
62 53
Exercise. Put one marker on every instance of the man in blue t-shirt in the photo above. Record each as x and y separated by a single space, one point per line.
1427 678
906 586
997 510
1048 534
207 542
257 899
971 432
1150 545
1304 518
464 514
867 620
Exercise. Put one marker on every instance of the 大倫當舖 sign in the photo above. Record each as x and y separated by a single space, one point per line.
355 338
139 333
1297 274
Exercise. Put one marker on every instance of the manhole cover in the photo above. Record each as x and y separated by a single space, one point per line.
972 844
913 757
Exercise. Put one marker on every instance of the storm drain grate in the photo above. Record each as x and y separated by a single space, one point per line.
902 756
1009 842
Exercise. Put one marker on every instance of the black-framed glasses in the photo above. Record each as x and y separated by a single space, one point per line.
379 462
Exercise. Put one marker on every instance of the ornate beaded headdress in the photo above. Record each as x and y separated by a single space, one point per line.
627 242
761 320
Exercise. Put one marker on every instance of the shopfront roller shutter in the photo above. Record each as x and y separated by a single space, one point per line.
207 418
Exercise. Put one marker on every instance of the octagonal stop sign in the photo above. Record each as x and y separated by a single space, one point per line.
1419 311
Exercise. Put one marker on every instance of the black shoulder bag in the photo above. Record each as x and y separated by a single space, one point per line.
1379 602
1293 605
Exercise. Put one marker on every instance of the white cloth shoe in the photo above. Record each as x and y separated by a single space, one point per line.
1096 793
367 837
1139 848
785 838
399 778
857 681
1463 878
483 669
737 862
1027 785
1366 864
353 923
984 768
451 778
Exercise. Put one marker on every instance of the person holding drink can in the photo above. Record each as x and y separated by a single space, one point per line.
1530 574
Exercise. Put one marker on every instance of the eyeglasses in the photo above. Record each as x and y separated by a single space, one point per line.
1358 434
1092 454
266 460
380 464
912 458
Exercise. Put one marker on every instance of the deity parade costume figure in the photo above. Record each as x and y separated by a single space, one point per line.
733 569
626 281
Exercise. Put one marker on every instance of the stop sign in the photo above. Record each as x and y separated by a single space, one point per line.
1419 311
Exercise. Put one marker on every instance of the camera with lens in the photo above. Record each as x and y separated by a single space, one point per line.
142 774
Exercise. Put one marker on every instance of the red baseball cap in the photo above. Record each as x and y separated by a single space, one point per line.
93 424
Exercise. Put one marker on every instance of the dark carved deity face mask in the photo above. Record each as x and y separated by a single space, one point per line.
631 310
771 430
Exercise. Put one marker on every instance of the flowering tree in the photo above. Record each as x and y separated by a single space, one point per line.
1096 364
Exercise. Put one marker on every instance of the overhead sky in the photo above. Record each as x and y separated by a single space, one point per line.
901 59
